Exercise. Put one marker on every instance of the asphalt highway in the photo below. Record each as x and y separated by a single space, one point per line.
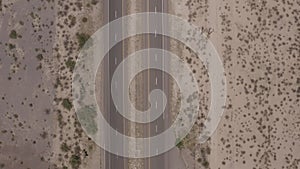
153 79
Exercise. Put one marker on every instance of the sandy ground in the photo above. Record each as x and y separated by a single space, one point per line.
88 20
36 130
258 42
26 109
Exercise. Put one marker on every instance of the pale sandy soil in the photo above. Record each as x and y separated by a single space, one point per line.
34 124
257 43
68 48
26 110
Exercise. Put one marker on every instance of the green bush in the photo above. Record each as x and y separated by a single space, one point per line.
179 144
75 161
11 46
39 57
67 104
70 64
60 119
205 163
13 34
94 2
64 147
82 38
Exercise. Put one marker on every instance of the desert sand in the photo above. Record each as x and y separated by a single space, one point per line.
258 42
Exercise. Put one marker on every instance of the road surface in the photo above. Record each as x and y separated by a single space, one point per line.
156 79
113 9
153 79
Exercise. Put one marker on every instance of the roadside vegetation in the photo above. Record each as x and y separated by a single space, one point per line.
64 147
39 57
179 144
70 64
66 103
82 38
13 34
75 161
